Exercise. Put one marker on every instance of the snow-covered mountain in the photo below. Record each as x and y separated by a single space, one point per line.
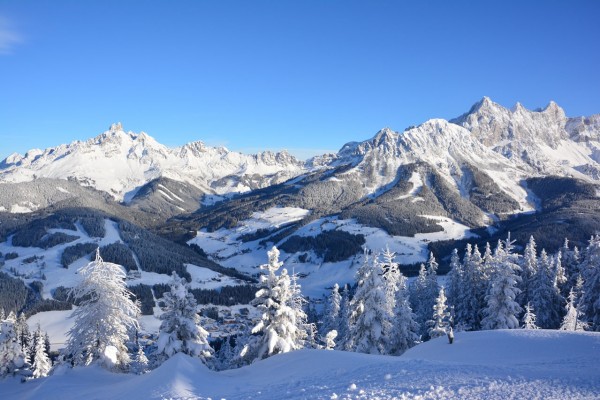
120 163
506 145
546 139
448 149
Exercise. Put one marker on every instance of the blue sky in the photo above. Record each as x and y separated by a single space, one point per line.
307 76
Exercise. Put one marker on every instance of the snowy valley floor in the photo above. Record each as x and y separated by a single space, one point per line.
479 365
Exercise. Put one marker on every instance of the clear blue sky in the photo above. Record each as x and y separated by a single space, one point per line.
308 76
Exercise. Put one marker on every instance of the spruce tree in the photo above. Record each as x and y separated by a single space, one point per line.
573 318
529 268
529 318
369 319
502 309
105 318
440 319
11 353
545 295
41 362
277 330
590 269
180 331
332 317
404 328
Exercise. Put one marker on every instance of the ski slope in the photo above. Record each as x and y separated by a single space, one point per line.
479 365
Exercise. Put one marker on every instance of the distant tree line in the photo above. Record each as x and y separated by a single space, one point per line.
75 252
332 246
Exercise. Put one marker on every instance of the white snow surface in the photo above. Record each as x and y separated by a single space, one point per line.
500 364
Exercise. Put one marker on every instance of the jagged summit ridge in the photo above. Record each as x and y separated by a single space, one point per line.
120 162
543 139
489 136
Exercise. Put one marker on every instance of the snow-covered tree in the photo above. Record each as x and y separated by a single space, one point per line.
41 362
278 330
330 339
306 332
105 318
590 269
529 268
544 294
369 317
11 353
345 310
456 280
573 318
559 273
440 319
180 331
23 334
404 332
140 364
332 318
529 318
570 261
502 309
423 293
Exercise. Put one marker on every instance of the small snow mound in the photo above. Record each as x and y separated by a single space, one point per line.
508 347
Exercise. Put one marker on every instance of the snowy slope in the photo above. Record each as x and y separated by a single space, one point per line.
479 365
119 162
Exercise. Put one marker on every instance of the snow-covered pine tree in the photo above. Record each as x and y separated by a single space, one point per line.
277 329
370 319
573 318
405 329
456 281
11 353
140 364
559 273
529 268
180 331
545 296
226 354
41 362
332 318
330 339
306 332
464 313
590 270
529 318
391 280
570 262
343 331
105 318
423 294
23 335
502 309
439 323
417 295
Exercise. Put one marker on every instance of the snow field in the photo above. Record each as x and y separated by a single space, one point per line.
499 364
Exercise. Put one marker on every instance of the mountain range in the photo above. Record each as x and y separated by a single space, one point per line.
428 188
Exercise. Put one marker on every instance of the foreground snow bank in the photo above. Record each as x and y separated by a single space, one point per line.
485 365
